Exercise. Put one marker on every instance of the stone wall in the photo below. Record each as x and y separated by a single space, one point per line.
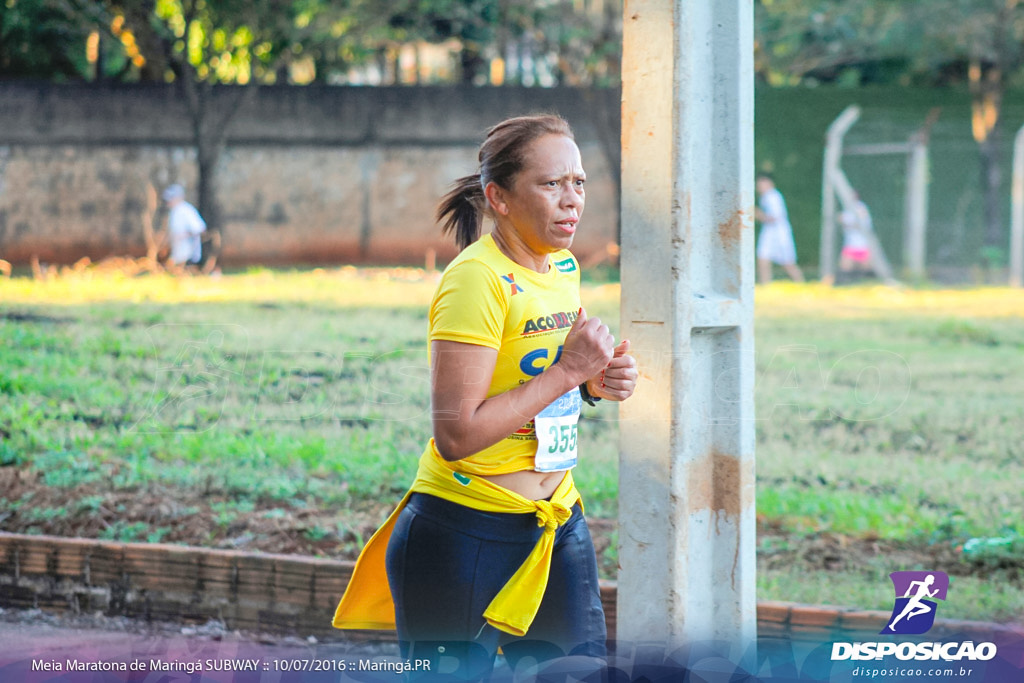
310 174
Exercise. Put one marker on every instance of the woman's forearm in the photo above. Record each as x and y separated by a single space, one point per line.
470 429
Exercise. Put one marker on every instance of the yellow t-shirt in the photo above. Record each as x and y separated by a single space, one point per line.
489 300
486 299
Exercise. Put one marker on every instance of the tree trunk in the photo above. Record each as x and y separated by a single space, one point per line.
138 16
987 87
100 67
208 158
211 122
991 183
209 147
472 63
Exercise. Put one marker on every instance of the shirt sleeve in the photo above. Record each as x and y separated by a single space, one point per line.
772 207
470 306
196 224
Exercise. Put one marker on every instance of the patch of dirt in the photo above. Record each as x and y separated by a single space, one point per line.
185 517
603 533
190 517
831 552
836 552
22 317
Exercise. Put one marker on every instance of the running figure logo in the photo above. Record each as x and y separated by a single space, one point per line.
913 612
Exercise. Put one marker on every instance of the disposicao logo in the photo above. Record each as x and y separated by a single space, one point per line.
916 593
913 613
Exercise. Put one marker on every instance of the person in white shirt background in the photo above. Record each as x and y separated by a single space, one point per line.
184 227
775 243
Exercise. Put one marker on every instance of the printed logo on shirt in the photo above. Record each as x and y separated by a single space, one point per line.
511 280
548 323
535 362
527 431
565 265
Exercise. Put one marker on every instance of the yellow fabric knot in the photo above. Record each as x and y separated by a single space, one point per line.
551 515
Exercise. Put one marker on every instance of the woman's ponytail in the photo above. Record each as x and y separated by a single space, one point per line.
461 210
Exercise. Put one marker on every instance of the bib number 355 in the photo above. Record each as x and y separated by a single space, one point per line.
556 427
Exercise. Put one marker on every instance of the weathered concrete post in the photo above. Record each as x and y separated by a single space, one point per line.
1017 213
686 469
916 229
833 155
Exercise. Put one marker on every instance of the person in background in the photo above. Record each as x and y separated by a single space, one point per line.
857 228
775 243
184 227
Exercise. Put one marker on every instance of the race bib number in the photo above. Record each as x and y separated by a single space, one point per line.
556 433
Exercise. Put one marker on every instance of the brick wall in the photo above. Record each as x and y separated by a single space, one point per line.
310 174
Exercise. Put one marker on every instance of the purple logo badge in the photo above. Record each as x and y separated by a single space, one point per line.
913 612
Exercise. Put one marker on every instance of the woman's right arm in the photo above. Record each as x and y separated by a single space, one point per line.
465 421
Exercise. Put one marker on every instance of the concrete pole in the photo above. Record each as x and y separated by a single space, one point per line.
916 208
833 157
1017 219
686 468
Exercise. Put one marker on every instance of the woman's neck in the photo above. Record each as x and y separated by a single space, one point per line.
516 250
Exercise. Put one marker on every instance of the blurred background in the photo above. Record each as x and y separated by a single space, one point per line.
310 131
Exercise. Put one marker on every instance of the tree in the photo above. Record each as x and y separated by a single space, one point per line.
851 41
41 40
483 28
201 44
937 42
986 36
578 44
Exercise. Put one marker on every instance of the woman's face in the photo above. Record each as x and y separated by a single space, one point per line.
546 199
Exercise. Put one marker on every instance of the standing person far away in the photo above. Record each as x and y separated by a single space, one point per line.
855 256
490 547
184 227
775 243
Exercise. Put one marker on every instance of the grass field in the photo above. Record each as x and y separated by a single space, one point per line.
284 411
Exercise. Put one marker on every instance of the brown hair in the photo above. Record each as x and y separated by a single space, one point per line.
501 157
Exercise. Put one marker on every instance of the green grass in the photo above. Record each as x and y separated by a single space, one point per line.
884 416
901 419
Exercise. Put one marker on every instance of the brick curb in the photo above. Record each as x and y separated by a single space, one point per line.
296 594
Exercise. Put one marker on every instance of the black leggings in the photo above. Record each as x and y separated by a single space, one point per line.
446 562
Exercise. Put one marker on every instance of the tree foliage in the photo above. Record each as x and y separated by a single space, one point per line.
235 41
202 44
850 42
863 41
227 41
41 40
976 43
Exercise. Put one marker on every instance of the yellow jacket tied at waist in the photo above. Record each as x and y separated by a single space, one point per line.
367 603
